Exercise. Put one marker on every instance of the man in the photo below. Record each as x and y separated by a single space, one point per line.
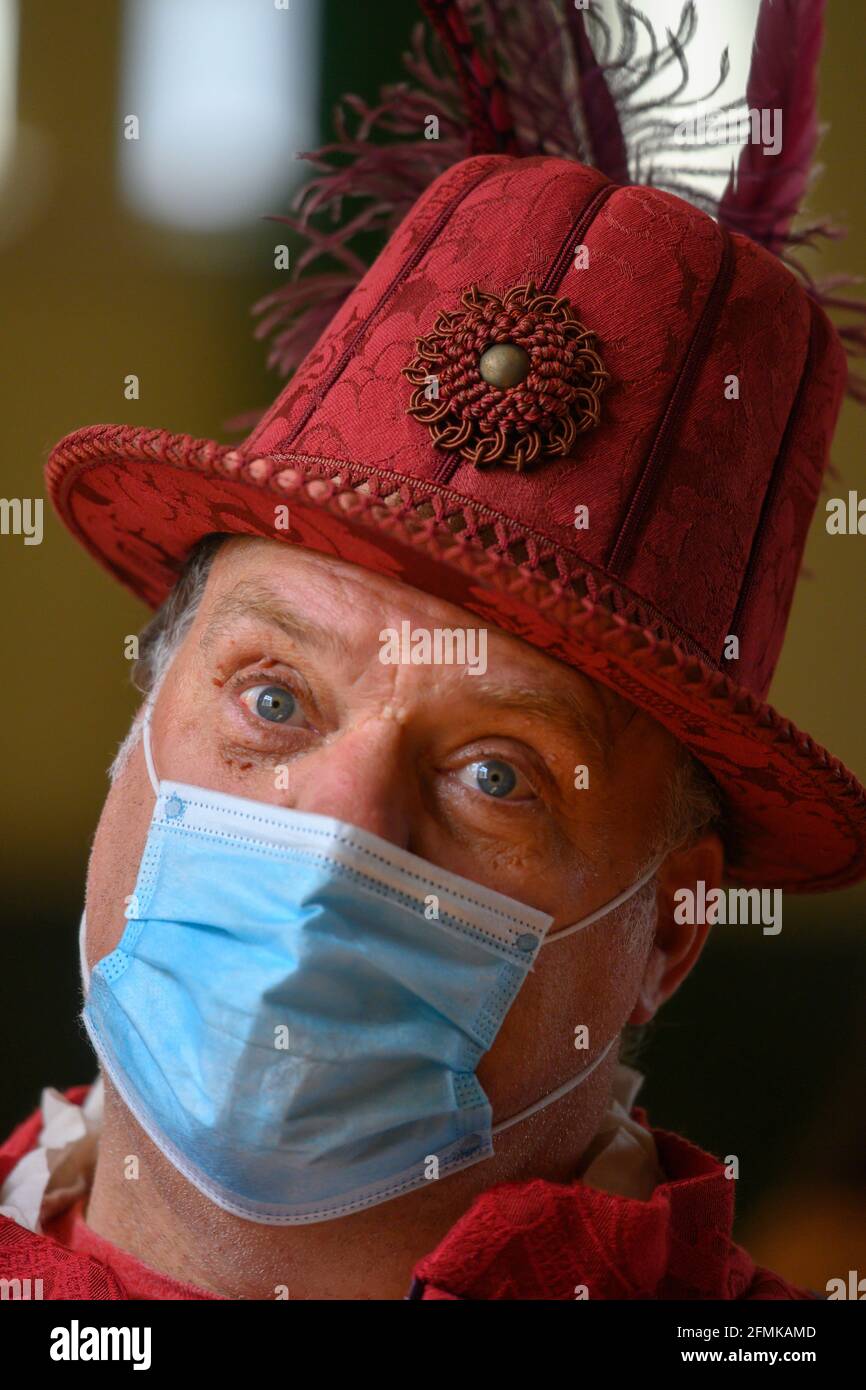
454 697
411 759
385 748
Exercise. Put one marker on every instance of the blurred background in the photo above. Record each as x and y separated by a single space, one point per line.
121 256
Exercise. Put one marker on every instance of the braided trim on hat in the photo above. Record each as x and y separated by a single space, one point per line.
531 556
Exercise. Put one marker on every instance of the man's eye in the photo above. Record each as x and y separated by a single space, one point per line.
273 703
493 777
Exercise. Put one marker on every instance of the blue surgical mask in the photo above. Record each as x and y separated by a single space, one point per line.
296 1009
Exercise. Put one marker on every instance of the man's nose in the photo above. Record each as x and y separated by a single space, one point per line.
360 776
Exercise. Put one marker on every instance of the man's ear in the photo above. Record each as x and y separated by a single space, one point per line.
677 945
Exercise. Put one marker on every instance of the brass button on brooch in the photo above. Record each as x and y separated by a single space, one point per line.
507 379
504 364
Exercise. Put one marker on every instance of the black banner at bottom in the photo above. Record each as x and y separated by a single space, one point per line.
246 1338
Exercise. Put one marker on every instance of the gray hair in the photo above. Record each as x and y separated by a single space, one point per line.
693 804
160 641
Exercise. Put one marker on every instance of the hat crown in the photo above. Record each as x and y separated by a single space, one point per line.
688 504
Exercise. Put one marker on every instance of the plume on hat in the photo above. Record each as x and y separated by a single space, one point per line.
503 76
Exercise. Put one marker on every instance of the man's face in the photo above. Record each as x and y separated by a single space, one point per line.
473 772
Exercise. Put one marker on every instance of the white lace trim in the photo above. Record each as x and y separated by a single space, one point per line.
627 1162
60 1168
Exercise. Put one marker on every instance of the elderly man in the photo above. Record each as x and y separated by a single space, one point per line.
267 656
454 698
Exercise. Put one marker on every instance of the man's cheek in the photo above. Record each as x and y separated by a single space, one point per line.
522 865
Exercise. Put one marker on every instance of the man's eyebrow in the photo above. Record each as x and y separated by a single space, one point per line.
249 599
562 708
565 709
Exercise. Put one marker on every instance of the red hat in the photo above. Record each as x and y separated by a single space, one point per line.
585 410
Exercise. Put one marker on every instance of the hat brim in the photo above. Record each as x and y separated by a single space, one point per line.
138 500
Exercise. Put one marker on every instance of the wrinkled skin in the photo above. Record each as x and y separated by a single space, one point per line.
391 748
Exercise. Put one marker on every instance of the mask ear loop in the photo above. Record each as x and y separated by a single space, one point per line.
82 957
569 1085
148 752
154 782
560 1091
605 908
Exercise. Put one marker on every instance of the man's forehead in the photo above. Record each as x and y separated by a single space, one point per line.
279 565
258 584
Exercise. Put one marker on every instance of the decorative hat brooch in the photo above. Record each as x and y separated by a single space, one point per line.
510 379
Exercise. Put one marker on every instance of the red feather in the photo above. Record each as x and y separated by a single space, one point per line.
766 193
601 123
544 78
490 126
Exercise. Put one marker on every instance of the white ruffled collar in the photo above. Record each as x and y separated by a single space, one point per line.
59 1170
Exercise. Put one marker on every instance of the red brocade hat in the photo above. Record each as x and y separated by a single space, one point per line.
589 411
